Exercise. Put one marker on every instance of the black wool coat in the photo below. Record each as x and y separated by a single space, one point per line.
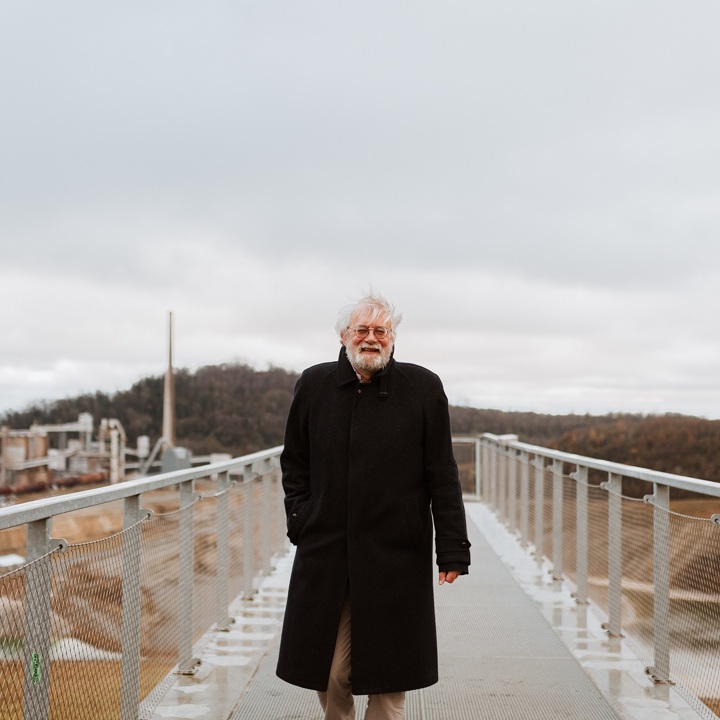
367 470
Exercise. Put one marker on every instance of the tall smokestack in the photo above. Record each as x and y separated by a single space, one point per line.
168 426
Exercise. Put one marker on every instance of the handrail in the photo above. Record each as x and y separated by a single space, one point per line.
48 507
705 487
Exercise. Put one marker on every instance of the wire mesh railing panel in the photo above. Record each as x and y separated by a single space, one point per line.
257 520
264 524
637 589
486 476
205 577
514 491
695 609
84 589
547 512
598 547
261 522
86 606
569 537
532 503
12 635
508 490
237 500
279 522
159 614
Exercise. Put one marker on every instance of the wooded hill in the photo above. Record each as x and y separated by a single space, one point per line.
671 443
236 409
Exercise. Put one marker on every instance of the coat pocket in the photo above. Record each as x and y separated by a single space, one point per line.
297 519
413 522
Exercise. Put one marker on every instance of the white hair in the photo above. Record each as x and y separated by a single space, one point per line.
376 304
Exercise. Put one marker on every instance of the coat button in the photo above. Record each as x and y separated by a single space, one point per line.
294 515
359 391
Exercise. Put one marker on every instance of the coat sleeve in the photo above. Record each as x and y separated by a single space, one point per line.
295 463
452 546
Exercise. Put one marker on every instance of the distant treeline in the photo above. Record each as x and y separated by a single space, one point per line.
236 409
670 443
218 408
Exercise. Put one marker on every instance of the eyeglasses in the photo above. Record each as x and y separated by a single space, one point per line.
362 331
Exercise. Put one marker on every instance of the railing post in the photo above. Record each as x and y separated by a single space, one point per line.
279 511
478 468
38 631
186 663
274 500
557 473
524 496
486 486
581 522
131 608
502 482
265 528
223 621
539 465
494 469
614 487
248 548
660 672
507 480
276 506
512 489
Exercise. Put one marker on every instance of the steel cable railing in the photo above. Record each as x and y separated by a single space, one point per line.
100 629
612 531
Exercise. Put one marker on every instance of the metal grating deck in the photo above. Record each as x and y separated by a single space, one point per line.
499 659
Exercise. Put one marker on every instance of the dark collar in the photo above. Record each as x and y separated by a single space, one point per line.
346 372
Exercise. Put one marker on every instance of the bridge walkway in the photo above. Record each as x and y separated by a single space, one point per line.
513 645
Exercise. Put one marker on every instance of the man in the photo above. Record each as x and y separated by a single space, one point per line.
367 467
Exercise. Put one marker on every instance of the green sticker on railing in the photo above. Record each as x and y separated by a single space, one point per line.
35 667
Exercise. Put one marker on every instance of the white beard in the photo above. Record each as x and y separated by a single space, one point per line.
369 362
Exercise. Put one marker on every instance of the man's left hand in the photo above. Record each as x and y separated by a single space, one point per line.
450 577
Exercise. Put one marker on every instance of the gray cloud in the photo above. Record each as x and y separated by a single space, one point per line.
536 183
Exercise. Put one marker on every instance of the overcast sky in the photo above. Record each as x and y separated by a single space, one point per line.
536 185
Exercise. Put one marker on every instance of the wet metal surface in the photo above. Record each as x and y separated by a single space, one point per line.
230 658
613 668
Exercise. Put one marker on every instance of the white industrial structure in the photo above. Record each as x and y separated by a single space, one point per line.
27 458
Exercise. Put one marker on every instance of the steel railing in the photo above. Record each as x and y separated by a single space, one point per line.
101 628
650 564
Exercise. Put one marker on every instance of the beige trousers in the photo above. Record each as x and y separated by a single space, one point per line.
338 702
